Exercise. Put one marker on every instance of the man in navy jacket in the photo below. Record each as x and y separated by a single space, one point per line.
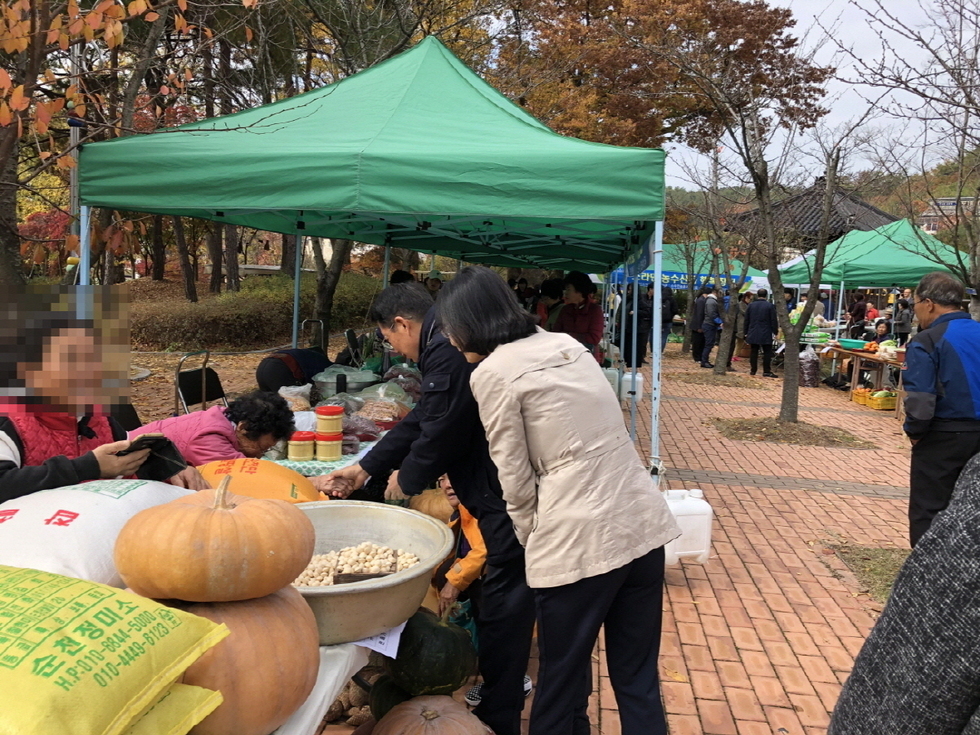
443 435
942 405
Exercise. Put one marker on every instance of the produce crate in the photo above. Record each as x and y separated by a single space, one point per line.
883 404
861 398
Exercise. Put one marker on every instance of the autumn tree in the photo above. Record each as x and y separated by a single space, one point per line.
751 80
935 96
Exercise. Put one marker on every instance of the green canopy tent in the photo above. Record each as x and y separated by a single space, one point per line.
417 152
897 254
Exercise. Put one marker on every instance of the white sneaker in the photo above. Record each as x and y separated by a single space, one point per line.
475 695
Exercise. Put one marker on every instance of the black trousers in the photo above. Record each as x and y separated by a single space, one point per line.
766 358
505 626
697 345
628 602
710 339
937 460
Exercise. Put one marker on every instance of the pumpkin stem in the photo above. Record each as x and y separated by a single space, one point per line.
447 612
221 494
430 714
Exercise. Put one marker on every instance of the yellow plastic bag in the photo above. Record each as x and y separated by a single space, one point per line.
260 478
178 711
79 658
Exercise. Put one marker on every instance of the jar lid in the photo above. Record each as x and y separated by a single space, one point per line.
331 437
329 410
302 436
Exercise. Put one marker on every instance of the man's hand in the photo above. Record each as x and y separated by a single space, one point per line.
341 483
394 490
111 466
191 478
448 597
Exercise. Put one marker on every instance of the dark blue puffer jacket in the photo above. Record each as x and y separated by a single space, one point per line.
942 377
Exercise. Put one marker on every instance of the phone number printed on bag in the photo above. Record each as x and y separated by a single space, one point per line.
92 633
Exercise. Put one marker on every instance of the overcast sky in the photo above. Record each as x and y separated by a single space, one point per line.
849 24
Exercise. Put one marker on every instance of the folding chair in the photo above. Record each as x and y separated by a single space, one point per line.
198 386
125 414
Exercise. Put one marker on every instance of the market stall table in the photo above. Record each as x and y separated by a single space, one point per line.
862 360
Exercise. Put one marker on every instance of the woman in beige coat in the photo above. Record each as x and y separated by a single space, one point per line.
583 505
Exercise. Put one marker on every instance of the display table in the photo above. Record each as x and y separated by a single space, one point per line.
337 665
861 360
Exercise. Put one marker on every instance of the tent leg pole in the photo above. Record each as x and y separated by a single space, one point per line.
622 339
387 271
657 356
84 247
297 275
633 363
840 308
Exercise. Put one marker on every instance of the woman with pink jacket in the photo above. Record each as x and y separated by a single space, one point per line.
248 427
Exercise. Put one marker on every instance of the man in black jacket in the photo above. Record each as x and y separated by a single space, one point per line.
761 328
443 435
695 320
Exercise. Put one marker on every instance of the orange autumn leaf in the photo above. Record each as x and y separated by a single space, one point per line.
4 79
71 243
5 115
150 17
17 99
248 34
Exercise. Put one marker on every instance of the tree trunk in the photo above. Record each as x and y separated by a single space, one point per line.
215 256
233 281
190 283
789 410
288 263
11 272
727 335
159 249
326 283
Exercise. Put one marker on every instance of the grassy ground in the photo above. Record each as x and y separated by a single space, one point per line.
260 315
771 430
874 568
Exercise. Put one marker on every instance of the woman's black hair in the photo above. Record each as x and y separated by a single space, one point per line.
580 282
904 303
407 300
552 289
479 312
28 344
263 413
400 276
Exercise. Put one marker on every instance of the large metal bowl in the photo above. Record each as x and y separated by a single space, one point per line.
350 612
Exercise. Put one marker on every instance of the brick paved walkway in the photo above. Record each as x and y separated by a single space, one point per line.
759 640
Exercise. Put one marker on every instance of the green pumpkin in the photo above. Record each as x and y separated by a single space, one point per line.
434 656
385 694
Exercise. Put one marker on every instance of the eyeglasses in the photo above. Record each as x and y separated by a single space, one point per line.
920 301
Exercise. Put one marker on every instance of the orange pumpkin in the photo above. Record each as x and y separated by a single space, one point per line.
438 715
209 548
264 670
260 478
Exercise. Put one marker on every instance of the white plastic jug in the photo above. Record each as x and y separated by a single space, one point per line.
627 385
693 514
612 375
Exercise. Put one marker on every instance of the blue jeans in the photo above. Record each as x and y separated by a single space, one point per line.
664 334
710 337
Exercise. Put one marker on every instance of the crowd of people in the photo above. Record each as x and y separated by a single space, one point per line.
558 522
